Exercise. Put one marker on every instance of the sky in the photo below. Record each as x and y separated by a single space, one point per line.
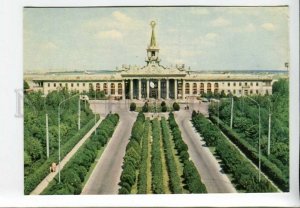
204 38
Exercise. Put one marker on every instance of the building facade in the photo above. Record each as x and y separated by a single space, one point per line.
156 81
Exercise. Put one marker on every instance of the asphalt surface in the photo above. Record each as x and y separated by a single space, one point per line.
106 175
207 165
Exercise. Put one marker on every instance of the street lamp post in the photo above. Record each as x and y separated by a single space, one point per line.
231 117
269 130
59 133
259 150
95 113
47 128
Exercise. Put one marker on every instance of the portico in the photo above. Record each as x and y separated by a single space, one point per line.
139 88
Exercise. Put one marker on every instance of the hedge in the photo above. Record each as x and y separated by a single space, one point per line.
174 182
156 160
74 173
190 173
131 160
32 180
270 169
244 174
142 177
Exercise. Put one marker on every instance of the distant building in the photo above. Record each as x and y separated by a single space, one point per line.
177 82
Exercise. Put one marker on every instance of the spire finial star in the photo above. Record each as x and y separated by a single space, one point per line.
152 23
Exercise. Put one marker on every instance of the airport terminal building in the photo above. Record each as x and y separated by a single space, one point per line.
156 81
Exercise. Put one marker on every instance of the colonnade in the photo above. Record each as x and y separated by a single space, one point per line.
141 89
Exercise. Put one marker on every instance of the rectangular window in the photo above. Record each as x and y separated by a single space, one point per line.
251 83
72 84
77 84
54 84
256 91
240 91
256 83
251 92
240 84
233 91
48 84
246 83
60 84
234 84
83 84
228 84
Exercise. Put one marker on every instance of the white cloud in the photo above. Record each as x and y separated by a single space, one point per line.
117 20
109 34
211 36
250 27
119 16
49 46
268 26
220 22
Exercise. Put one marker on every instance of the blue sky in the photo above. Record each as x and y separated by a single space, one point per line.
204 38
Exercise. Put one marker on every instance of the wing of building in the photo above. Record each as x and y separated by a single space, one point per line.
155 80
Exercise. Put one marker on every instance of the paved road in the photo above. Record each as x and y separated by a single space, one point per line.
40 188
207 165
106 175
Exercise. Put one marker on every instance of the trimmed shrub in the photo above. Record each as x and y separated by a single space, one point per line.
145 107
164 108
132 106
176 106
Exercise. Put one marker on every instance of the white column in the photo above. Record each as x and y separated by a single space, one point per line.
123 89
131 89
183 89
140 89
148 89
167 90
116 88
175 89
159 89
108 88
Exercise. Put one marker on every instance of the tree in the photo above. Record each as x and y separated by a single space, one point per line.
163 103
132 106
25 86
176 106
164 108
34 148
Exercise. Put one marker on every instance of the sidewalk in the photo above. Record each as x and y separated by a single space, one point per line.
45 182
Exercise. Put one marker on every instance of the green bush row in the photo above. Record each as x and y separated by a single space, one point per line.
174 182
32 180
131 160
142 178
192 178
271 170
156 160
244 174
190 173
74 173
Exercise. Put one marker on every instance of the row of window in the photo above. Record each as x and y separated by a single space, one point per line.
228 84
105 87
216 87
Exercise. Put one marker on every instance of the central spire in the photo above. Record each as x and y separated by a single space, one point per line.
152 50
153 40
